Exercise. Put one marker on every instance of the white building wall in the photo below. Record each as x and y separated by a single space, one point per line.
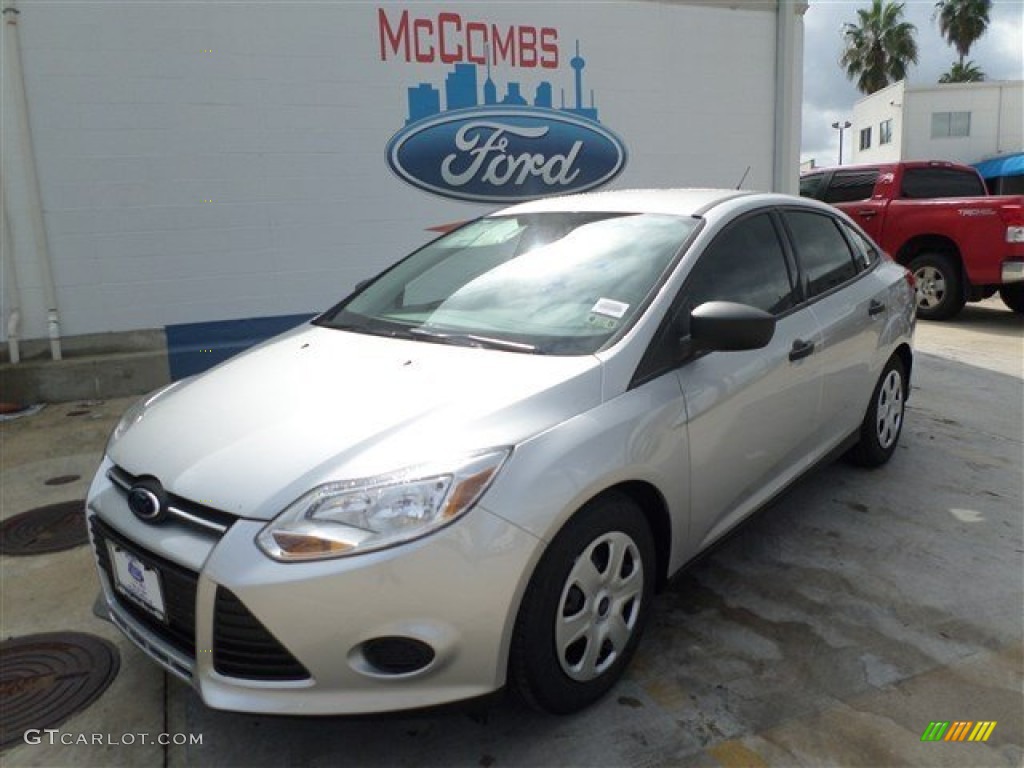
982 100
871 112
204 162
1010 136
996 121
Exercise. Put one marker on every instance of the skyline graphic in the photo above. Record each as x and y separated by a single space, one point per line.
462 91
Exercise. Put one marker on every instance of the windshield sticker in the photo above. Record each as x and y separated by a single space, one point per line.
599 321
610 308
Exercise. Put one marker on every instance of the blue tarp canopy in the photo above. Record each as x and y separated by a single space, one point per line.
1008 165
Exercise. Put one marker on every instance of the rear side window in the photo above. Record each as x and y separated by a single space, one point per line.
865 251
923 183
823 252
848 186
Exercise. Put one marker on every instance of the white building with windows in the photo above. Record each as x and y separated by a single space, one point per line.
961 122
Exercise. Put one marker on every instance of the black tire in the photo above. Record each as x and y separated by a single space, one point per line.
940 289
883 422
610 541
1013 297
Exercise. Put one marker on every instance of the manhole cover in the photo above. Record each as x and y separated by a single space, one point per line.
45 679
45 529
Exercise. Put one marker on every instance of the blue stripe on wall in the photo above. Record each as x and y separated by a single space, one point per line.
195 347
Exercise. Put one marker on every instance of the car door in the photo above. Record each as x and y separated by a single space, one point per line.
850 303
852 192
751 415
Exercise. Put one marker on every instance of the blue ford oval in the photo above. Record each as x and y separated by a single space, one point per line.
506 155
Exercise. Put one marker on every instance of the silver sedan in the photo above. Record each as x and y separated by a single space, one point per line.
477 470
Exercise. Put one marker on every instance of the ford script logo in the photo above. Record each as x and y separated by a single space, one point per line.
506 155
146 501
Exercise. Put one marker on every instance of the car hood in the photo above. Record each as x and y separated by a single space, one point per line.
316 405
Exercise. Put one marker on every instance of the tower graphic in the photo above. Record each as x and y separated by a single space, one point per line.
490 89
461 92
577 63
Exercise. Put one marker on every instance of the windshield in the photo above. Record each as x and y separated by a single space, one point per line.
550 283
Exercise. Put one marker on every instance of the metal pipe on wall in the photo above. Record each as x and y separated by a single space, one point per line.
11 287
786 167
35 202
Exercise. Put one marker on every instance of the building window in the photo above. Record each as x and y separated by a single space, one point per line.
865 138
950 124
885 131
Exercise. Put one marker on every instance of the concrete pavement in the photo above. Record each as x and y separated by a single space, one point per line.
829 630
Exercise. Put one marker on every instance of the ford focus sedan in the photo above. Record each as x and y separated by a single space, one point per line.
477 470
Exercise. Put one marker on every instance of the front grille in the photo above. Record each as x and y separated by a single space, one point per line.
178 586
189 512
244 648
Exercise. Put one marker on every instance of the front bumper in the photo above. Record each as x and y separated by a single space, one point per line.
254 635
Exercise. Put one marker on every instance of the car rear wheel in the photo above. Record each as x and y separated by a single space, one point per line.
1013 297
585 607
883 422
940 293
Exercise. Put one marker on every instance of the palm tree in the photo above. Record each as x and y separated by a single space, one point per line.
963 72
962 22
880 48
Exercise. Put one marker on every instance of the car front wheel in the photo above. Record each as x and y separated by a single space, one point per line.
585 607
940 293
883 422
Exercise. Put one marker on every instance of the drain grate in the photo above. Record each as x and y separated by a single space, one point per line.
45 529
47 678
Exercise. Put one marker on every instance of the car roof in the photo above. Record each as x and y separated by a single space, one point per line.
679 202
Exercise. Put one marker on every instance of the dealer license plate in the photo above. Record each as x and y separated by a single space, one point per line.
137 581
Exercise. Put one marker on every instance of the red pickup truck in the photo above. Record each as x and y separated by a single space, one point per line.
936 219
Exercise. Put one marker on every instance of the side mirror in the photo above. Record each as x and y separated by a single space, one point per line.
728 326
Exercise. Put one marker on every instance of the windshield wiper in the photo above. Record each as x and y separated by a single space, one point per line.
471 340
372 328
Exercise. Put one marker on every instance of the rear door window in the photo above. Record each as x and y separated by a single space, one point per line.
924 183
865 251
823 252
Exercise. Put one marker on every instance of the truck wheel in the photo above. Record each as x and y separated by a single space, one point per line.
1013 297
940 293
585 607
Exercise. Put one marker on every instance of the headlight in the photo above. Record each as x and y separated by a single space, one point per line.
137 410
359 516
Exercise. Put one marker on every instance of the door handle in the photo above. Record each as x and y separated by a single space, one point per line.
867 213
875 307
801 349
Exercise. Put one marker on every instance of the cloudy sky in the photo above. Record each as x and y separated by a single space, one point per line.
829 96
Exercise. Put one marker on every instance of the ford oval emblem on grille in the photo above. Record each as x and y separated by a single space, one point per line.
147 501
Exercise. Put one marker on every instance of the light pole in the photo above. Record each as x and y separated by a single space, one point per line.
841 127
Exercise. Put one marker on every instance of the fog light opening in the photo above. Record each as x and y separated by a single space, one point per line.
392 656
